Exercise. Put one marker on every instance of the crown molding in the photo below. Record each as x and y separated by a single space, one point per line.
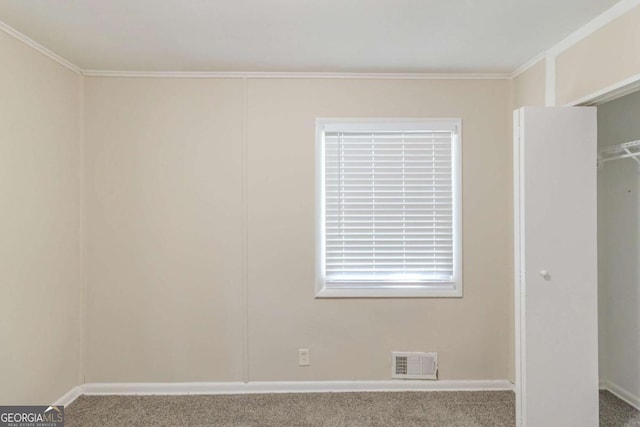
530 63
606 17
248 74
292 75
611 14
37 46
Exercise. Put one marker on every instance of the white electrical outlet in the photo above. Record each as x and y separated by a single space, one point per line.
303 357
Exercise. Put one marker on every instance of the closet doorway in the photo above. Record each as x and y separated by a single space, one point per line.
619 259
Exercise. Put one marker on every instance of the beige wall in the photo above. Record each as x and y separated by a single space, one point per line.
606 57
353 339
39 226
165 296
529 87
165 230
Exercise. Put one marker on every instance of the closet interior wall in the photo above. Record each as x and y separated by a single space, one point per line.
619 251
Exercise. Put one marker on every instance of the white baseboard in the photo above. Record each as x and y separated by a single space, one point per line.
623 394
290 387
69 396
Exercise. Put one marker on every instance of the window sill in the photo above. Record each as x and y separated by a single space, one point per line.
444 291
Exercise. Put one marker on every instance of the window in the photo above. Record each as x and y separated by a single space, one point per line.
388 197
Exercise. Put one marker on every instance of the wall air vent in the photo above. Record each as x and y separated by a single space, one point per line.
414 366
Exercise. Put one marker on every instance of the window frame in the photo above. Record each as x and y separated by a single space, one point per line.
449 289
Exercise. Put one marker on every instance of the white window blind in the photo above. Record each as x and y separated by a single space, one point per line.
389 205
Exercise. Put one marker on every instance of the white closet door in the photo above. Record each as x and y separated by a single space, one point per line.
556 272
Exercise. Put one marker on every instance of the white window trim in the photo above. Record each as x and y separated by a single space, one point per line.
451 289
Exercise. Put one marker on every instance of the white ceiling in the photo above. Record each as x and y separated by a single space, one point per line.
426 36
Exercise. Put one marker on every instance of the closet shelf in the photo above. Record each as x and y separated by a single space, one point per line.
628 150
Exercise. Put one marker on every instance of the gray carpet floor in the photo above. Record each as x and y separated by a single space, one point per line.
464 409
617 413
